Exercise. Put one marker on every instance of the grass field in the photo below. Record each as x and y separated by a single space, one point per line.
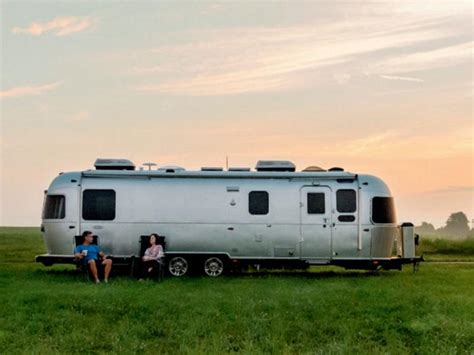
325 310
435 249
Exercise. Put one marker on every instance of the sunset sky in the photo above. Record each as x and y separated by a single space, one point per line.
380 88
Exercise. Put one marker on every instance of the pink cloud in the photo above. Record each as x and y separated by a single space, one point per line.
29 90
60 26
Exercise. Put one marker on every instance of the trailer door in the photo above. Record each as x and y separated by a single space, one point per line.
346 224
315 212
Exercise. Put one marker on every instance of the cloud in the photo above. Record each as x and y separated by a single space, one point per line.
60 26
243 60
453 189
444 144
429 59
29 90
379 143
401 78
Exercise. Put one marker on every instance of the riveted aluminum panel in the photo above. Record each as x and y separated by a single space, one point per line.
382 241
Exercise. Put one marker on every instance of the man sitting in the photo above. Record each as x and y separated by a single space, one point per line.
90 254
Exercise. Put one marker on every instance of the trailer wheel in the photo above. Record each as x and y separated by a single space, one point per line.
178 266
214 266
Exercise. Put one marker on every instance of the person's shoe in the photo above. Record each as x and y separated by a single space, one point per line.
97 281
106 281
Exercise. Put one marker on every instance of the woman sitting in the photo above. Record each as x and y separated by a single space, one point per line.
153 257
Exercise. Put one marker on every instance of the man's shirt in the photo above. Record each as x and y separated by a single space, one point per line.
92 252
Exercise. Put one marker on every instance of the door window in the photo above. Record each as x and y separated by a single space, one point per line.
316 203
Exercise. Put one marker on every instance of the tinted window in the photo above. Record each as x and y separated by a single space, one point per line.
258 202
98 205
383 210
316 203
346 218
54 207
346 201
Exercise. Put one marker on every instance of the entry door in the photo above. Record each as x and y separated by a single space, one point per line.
315 212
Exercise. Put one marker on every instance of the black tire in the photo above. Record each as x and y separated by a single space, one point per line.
178 266
214 266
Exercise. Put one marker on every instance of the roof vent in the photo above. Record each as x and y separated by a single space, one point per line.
114 164
336 169
211 168
275 165
239 169
170 169
313 168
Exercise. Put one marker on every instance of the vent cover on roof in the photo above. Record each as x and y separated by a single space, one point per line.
171 169
239 169
336 168
114 164
211 168
275 165
313 169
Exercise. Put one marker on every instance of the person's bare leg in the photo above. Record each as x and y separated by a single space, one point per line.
108 267
93 269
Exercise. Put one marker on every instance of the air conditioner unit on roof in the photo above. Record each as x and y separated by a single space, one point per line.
114 164
275 165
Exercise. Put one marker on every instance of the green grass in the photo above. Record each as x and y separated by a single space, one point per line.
325 310
435 249
449 247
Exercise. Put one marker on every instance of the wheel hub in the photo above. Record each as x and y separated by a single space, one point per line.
178 266
213 267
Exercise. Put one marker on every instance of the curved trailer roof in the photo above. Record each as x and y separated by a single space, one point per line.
218 174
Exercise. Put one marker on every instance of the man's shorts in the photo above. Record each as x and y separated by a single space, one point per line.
98 263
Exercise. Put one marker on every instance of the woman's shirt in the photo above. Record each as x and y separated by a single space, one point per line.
155 252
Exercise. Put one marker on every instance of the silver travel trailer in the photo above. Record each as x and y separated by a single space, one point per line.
215 220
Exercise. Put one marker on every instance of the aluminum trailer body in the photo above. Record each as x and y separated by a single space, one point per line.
236 217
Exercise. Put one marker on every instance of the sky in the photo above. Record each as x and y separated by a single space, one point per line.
383 88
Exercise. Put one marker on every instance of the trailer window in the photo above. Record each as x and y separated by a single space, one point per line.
316 203
54 207
98 205
383 210
346 201
258 202
346 218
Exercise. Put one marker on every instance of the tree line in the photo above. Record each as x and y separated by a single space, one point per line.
457 226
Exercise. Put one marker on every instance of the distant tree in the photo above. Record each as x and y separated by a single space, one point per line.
425 228
456 225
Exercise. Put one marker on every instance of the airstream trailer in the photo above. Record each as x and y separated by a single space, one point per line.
214 220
